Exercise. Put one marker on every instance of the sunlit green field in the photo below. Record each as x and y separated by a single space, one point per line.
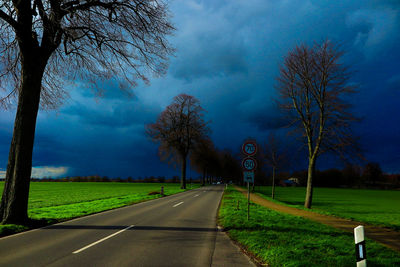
378 207
57 201
280 239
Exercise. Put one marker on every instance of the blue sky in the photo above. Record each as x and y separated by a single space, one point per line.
228 56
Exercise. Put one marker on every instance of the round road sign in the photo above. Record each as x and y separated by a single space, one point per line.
249 164
249 148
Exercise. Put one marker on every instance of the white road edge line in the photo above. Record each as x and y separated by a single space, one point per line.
101 240
176 205
196 195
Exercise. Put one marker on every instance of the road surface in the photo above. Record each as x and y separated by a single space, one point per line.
178 230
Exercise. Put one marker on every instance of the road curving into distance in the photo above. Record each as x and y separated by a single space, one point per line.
179 230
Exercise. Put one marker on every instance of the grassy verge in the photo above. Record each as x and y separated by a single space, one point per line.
51 202
284 240
376 207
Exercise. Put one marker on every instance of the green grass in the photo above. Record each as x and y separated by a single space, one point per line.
377 207
284 240
58 201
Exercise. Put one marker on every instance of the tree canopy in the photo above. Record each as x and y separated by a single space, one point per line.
91 41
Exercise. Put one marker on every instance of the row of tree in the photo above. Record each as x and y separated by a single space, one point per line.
313 87
183 135
42 40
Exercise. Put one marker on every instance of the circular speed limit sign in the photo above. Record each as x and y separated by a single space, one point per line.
249 164
249 148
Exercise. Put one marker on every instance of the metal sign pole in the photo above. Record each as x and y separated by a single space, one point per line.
248 200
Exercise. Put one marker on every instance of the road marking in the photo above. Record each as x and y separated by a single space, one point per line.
204 191
101 240
196 195
176 205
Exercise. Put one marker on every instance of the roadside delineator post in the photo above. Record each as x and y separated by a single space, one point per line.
360 246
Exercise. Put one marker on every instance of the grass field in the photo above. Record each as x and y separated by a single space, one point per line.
284 240
58 201
378 207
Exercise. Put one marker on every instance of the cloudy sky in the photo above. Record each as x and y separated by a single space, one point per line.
228 55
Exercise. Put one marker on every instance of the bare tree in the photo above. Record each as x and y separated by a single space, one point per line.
44 42
313 86
230 167
274 156
178 128
202 157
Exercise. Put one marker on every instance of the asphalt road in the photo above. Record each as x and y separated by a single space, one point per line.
178 230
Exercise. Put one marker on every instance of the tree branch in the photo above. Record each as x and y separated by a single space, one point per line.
8 19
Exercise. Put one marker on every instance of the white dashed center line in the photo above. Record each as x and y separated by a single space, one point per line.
176 205
196 195
101 240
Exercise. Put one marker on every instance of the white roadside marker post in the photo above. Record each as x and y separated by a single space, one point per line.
360 246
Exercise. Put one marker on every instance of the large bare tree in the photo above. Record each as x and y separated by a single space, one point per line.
313 87
45 42
178 128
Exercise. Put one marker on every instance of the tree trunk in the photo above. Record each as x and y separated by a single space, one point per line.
273 183
309 192
203 181
14 202
183 172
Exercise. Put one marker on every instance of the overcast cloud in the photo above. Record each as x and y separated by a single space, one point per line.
228 56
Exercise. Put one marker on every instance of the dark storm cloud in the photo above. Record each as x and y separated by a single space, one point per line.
228 56
264 32
393 83
210 56
269 120
112 115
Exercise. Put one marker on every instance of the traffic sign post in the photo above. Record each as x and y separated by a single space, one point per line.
249 178
249 165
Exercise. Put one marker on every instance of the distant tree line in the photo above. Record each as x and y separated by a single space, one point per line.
351 176
97 178
226 168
